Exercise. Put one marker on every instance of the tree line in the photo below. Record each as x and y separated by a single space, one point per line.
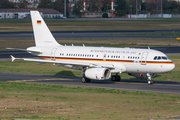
122 7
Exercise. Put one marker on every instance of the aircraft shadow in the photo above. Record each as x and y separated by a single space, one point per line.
65 73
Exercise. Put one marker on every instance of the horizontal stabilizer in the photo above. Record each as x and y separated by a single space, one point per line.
35 51
13 58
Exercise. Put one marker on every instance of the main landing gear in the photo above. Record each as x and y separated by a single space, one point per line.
84 79
149 79
116 78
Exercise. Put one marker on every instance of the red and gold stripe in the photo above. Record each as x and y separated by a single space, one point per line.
107 60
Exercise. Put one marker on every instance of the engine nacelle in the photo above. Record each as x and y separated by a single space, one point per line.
141 75
98 73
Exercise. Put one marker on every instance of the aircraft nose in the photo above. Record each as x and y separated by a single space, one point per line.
171 67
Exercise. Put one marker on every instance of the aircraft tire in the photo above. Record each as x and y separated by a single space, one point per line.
150 82
113 78
85 80
118 78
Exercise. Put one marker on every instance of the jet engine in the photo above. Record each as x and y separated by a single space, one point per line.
98 73
141 75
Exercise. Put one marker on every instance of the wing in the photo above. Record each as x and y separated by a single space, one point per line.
67 62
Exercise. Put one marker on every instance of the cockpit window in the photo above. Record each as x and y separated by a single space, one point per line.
161 58
155 57
164 58
158 58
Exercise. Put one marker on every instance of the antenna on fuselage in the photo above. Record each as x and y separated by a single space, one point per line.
72 45
148 47
84 45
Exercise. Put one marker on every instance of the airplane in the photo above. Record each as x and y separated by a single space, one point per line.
97 63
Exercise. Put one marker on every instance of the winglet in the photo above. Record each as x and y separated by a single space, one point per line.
12 58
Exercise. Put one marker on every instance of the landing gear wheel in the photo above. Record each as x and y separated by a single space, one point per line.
88 80
85 80
113 78
150 82
118 78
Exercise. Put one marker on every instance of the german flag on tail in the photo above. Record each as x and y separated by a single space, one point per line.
38 22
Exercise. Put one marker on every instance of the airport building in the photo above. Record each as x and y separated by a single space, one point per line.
25 13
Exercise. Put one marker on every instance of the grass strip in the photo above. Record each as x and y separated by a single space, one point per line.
94 25
41 101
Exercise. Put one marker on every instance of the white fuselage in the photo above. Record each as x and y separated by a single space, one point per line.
130 60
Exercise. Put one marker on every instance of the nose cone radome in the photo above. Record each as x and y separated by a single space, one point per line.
171 67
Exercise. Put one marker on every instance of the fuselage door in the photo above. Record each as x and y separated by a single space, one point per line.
143 58
53 51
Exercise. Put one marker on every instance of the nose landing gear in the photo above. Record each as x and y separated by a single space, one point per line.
149 79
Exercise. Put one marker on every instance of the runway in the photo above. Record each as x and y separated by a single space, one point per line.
94 34
166 87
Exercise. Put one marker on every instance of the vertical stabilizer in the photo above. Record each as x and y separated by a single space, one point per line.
42 34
